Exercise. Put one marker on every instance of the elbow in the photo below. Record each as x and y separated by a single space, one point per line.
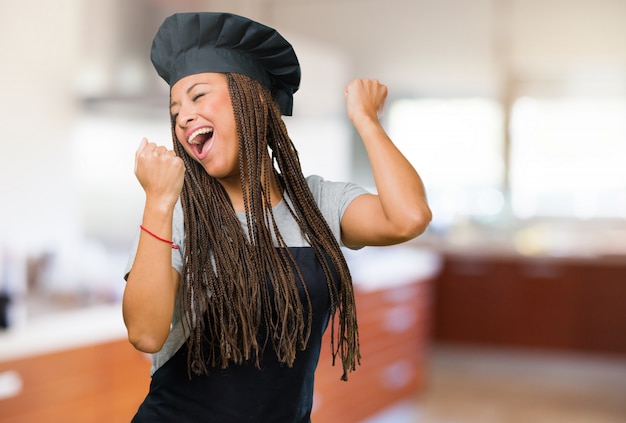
145 344
415 224
426 216
145 341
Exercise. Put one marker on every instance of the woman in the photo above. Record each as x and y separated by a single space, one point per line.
238 269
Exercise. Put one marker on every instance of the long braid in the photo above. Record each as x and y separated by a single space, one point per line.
233 280
320 236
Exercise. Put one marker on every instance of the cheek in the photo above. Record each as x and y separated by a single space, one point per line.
179 133
180 138
182 144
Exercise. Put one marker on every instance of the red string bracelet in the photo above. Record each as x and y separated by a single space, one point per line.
174 246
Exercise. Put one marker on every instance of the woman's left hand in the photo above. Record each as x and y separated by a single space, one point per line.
365 98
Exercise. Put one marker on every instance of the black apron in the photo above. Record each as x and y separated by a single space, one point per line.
275 393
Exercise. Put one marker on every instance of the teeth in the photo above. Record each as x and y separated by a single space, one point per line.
192 137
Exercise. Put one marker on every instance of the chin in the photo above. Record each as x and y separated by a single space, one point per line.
218 173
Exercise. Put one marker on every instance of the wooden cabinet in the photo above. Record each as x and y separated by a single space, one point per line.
103 383
565 304
393 326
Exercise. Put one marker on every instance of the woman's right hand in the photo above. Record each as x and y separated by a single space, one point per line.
150 292
160 172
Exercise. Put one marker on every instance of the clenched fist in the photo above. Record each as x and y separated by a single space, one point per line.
160 172
365 98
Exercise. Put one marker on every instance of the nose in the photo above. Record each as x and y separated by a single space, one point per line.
185 116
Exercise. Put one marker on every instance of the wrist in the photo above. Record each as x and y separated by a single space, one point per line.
168 241
159 205
363 117
368 126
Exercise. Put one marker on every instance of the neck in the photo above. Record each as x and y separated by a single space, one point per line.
236 195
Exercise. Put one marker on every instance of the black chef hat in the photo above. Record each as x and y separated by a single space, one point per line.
191 43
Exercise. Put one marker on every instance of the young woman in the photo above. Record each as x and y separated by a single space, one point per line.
238 270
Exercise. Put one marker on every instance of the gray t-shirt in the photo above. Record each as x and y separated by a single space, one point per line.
332 198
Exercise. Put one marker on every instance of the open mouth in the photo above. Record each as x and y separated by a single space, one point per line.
199 138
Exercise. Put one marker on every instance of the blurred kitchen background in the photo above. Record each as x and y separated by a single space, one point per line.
510 308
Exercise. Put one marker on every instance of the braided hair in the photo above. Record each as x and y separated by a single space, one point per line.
235 283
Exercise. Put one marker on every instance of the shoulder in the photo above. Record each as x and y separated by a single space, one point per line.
333 194
321 187
315 183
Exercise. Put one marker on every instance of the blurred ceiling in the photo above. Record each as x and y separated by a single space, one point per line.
418 47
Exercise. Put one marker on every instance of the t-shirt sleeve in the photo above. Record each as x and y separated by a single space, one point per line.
333 198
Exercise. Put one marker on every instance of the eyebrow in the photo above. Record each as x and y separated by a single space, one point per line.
173 103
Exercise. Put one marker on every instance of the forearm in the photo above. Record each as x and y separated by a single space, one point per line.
149 296
399 186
